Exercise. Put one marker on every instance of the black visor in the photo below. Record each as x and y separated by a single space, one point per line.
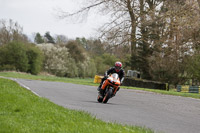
117 67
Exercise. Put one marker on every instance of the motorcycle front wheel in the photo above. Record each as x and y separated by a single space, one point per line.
107 96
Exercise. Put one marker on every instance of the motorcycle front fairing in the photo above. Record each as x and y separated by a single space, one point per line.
113 81
109 87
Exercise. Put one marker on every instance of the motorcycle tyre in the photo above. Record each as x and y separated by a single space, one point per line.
99 99
107 96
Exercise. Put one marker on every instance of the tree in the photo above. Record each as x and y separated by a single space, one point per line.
13 57
160 33
38 38
57 60
49 38
198 4
109 59
35 59
193 69
193 61
23 57
61 39
145 36
126 17
122 27
178 24
76 51
11 31
95 47
83 42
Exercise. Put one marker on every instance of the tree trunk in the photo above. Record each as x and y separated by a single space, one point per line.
198 3
133 30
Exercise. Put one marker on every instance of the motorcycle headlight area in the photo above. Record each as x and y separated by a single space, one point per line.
113 82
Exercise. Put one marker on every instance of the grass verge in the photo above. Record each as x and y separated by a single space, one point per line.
89 81
86 81
171 92
23 112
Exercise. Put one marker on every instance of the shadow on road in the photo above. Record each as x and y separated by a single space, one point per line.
109 103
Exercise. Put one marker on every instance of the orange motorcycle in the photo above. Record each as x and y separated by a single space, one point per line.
110 87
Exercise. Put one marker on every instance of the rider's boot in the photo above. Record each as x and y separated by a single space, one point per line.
99 87
118 88
100 92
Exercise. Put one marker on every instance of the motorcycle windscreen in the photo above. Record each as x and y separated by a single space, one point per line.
115 77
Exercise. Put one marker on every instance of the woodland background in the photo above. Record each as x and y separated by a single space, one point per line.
158 38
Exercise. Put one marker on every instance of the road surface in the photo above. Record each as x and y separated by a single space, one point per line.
162 113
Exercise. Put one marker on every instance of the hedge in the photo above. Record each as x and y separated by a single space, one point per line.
128 81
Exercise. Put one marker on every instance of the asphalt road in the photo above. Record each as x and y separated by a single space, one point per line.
162 113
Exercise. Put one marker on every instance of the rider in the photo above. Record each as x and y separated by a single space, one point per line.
116 69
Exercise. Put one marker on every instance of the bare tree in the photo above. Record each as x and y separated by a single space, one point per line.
10 31
178 26
160 33
61 39
122 26
198 3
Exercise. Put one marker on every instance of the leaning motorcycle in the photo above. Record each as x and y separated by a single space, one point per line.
110 87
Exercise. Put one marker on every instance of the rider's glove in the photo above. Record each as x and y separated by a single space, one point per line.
122 81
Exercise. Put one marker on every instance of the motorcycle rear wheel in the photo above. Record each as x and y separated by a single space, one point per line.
99 99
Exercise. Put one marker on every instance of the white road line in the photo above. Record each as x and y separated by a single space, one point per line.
22 85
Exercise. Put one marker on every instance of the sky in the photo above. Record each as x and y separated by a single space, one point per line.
41 16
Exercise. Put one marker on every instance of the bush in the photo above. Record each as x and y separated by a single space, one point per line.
86 68
35 57
20 57
7 67
58 61
128 81
76 51
104 62
100 67
13 56
91 68
109 59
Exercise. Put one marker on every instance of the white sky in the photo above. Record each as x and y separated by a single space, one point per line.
40 16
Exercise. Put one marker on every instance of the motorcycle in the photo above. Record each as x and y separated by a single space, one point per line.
110 87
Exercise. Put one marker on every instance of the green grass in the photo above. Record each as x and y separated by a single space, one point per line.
86 81
171 92
23 112
89 81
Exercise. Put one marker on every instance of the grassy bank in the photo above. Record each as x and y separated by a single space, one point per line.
23 112
171 92
89 81
86 81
